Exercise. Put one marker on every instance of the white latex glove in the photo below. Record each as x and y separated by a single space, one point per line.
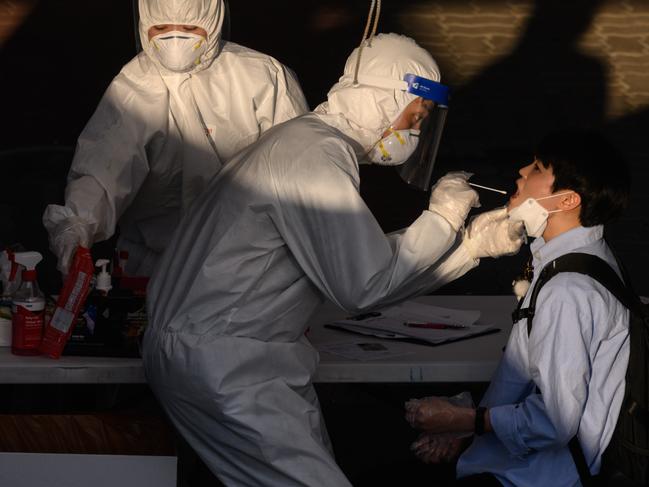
492 234
453 198
65 237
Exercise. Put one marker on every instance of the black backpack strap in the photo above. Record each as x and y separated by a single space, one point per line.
589 265
625 275
547 273
587 480
602 272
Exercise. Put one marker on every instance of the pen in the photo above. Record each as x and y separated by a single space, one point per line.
434 326
488 188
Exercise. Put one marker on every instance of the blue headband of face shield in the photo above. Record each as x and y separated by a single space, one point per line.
427 89
413 84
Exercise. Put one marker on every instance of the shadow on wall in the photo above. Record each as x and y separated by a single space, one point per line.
312 37
545 83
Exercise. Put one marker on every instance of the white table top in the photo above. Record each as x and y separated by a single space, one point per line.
472 360
69 370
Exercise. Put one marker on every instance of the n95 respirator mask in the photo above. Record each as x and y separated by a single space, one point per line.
179 51
395 148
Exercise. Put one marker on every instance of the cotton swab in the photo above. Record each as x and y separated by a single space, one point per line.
488 188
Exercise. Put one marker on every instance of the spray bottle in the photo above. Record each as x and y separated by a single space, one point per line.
28 308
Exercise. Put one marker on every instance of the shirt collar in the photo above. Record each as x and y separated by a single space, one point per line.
544 252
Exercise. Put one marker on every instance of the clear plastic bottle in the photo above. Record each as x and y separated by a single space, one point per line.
28 309
10 277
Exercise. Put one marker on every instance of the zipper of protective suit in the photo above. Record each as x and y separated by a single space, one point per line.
200 117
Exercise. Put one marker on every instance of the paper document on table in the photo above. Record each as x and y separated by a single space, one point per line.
412 320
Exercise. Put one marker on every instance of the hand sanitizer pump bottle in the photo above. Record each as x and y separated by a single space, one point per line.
103 284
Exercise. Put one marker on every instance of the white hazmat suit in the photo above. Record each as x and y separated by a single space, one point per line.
282 228
158 136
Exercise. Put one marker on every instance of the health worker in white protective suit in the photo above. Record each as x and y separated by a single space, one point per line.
282 228
163 129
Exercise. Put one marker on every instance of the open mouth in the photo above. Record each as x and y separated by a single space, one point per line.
516 190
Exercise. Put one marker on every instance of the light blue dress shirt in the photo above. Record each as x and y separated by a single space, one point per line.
577 355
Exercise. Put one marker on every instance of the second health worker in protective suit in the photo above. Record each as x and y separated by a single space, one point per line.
164 127
282 228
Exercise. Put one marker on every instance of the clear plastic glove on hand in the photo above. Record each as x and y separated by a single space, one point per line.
437 415
439 448
65 237
453 198
493 234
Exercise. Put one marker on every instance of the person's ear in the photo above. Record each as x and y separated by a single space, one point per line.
569 201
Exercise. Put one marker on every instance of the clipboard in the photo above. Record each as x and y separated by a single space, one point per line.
418 341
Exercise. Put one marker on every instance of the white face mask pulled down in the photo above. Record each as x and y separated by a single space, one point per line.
533 215
179 51
395 148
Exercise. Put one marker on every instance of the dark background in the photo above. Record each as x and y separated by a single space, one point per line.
518 69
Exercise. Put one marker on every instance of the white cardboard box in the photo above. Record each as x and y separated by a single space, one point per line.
5 332
67 470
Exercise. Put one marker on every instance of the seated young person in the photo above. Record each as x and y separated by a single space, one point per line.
568 377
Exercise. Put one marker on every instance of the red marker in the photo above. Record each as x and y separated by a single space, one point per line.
434 326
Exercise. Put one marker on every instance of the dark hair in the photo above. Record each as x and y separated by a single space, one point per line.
585 162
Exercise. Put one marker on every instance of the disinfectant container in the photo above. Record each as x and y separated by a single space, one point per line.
28 309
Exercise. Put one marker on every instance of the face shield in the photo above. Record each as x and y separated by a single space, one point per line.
418 168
